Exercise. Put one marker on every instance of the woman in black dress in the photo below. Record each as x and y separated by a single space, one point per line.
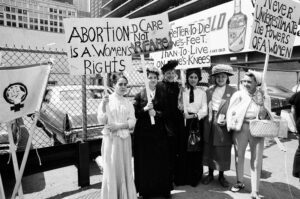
151 163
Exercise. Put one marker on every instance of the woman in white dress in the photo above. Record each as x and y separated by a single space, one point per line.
117 114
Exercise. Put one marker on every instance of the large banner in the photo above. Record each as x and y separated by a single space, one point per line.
97 45
274 27
150 34
190 45
229 33
21 90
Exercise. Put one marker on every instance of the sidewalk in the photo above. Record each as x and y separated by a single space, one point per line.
277 181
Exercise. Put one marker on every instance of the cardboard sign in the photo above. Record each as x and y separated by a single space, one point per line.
274 27
190 45
97 46
150 34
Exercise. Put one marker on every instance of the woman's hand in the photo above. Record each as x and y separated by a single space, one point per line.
152 112
188 116
105 102
113 127
149 106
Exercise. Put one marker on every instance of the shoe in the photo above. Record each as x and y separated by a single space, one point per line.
208 179
223 182
237 187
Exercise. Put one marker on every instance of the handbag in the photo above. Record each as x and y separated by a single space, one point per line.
263 127
194 138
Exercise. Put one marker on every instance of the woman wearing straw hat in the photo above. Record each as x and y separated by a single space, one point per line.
217 140
245 105
151 163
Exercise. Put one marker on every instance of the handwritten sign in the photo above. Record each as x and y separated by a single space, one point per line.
190 45
274 27
97 46
150 34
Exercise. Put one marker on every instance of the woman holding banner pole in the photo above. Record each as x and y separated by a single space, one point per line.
217 140
117 114
174 122
246 105
194 99
151 165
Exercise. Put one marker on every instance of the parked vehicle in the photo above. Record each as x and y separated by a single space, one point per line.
61 112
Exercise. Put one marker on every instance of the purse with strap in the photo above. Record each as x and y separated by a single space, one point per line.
263 127
194 139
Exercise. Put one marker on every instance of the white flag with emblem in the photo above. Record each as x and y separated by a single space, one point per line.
21 90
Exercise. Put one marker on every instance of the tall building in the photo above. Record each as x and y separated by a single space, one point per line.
83 8
140 8
42 15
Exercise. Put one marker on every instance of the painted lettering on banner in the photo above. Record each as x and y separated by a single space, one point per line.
275 27
150 34
96 46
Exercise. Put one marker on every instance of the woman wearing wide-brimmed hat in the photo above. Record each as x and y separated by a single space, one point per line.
217 140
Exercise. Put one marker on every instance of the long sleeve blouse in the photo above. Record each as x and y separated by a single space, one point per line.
119 110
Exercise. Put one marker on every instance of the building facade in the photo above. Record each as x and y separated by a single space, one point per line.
42 15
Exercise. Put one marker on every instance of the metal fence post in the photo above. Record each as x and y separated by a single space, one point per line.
84 115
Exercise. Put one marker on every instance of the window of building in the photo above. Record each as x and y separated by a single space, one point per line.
60 12
25 19
61 30
8 23
36 27
55 10
42 28
51 16
25 12
46 28
51 23
7 9
20 18
55 23
31 26
55 29
45 22
36 20
1 23
51 29
14 24
69 13
73 13
31 20
64 12
60 24
13 10
7 16
25 25
55 17
41 21
1 15
20 11
50 9
13 17
1 8
60 18
20 25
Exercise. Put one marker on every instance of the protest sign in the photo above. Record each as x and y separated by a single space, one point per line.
150 34
97 46
190 45
22 89
274 27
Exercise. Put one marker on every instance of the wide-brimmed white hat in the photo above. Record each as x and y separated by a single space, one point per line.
222 68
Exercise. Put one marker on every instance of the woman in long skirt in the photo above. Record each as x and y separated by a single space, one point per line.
117 114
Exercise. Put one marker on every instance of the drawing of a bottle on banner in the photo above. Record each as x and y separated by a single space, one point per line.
237 26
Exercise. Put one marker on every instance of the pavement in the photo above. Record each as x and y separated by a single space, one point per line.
277 181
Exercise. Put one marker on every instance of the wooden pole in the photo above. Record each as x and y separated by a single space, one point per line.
26 153
84 114
183 80
2 193
12 148
146 81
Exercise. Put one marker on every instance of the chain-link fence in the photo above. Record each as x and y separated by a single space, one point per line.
61 113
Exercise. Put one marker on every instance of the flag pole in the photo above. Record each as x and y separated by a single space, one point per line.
12 148
146 81
2 193
26 153
183 80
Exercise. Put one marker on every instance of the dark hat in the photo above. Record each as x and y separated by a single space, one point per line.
190 71
169 66
222 68
152 69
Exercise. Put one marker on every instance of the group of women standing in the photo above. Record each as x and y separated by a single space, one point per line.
161 158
